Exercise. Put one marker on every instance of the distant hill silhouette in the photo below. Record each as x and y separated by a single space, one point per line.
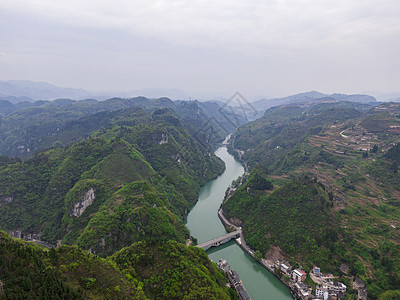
264 104
23 90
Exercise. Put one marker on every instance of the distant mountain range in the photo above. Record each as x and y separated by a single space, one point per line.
23 90
16 91
262 105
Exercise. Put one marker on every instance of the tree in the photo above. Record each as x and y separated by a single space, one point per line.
258 255
374 149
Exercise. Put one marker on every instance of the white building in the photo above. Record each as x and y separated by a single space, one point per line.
321 292
298 275
285 269
333 288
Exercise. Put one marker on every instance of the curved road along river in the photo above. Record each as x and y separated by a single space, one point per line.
204 224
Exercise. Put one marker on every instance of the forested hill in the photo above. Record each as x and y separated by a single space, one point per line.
28 127
145 270
133 180
116 181
323 189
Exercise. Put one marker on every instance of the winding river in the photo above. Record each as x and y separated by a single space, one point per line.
204 224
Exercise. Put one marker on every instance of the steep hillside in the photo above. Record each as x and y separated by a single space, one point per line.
271 137
173 271
133 181
26 128
297 217
142 271
353 155
27 271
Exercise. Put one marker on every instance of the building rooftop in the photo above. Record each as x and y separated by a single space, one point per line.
284 266
243 294
299 272
359 282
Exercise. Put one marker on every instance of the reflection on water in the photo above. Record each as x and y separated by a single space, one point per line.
204 224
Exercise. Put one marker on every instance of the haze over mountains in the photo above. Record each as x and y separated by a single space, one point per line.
24 90
119 176
16 91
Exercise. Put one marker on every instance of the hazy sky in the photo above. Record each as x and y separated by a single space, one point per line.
271 47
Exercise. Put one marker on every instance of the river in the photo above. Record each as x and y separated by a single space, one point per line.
204 224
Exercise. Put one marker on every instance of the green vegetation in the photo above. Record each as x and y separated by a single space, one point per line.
136 212
117 173
128 183
146 270
297 217
63 273
272 139
27 128
172 271
348 212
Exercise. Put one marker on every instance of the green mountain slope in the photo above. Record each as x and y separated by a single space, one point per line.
296 217
173 271
27 129
142 271
354 218
133 181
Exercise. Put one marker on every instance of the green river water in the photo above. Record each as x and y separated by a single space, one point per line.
204 224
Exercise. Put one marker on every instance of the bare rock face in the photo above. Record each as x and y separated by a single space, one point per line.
164 139
275 253
236 221
6 199
160 138
81 206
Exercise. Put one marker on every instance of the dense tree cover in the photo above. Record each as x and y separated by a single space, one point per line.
171 270
31 127
394 153
29 272
136 212
143 175
272 138
354 216
259 182
133 177
297 217
177 272
390 295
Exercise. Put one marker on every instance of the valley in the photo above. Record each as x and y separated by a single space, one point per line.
120 182
334 198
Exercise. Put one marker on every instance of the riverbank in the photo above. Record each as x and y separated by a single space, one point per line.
242 243
204 224
236 153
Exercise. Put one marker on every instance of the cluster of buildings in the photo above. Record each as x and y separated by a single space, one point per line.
301 290
330 290
326 289
297 277
285 268
234 279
